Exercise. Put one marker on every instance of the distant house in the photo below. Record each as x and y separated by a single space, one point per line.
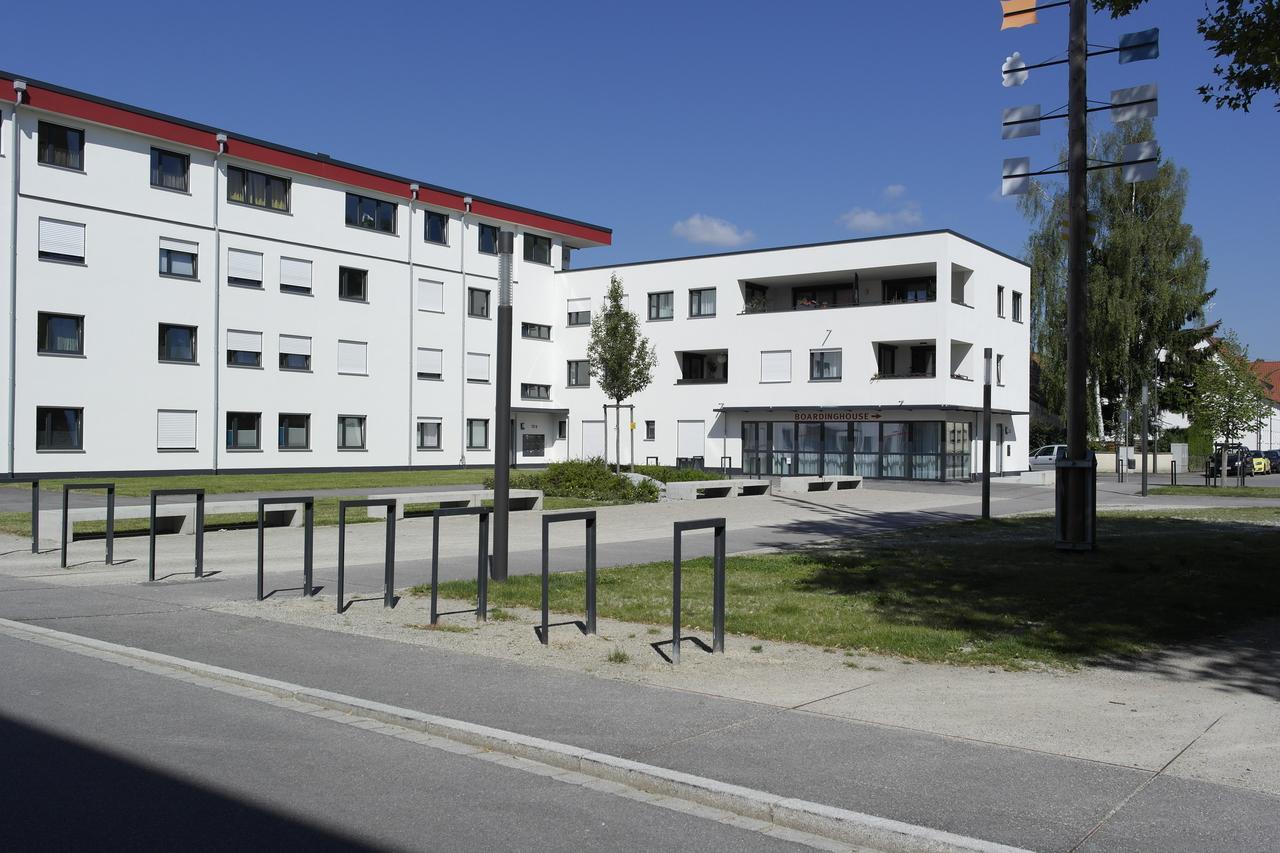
1269 430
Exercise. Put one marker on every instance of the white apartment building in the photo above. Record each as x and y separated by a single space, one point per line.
182 298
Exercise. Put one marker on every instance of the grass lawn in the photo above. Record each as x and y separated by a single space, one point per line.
1222 492
221 484
971 593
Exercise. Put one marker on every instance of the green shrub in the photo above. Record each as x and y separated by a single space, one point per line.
667 474
590 479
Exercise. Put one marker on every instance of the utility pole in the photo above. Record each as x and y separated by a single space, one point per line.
502 411
1146 431
986 434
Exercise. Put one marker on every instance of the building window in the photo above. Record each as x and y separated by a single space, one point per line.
536 331
244 268
437 228
243 430
371 213
562 429
579 312
825 364
295 276
1017 307
175 429
61 241
566 257
886 360
257 189
477 434
650 430
775 365
353 284
353 357
1000 300
702 303
430 363
533 391
662 305
244 349
999 369
60 146
910 290
537 249
579 374
477 302
59 334
428 435
294 432
177 343
169 169
477 367
295 352
431 296
59 429
699 367
179 258
351 432
922 360
488 239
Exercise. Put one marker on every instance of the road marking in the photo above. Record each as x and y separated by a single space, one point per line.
812 824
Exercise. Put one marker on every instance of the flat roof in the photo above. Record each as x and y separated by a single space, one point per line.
849 241
59 99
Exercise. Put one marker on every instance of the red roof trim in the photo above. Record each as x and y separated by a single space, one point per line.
91 110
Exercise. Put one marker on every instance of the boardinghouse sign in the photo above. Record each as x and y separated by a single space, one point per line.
841 415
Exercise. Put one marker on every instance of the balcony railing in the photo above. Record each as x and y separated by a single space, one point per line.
931 375
754 308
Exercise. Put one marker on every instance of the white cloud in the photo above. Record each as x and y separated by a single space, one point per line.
895 191
865 219
711 231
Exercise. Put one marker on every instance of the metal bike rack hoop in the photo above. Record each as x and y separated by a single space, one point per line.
588 516
68 533
482 561
717 593
308 508
389 559
198 494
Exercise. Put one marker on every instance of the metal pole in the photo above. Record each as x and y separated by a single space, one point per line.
64 526
1145 441
1073 527
35 516
591 573
111 524
308 572
502 410
261 524
986 435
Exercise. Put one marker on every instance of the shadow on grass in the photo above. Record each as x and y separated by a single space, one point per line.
1183 588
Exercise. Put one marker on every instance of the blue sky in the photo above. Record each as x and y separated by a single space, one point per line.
686 127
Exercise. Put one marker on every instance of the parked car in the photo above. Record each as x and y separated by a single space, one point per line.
1048 456
1260 463
1274 456
1234 456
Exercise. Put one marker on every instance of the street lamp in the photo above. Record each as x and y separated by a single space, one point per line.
502 411
986 433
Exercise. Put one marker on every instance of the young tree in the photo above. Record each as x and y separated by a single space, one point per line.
619 357
1228 397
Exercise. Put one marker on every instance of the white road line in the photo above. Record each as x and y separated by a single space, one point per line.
812 824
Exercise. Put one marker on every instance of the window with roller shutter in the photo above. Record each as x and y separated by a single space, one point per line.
295 275
353 358
61 241
244 268
175 429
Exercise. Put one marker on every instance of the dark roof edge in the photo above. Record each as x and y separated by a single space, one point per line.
934 232
310 155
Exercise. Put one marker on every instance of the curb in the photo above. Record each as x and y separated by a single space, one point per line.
830 822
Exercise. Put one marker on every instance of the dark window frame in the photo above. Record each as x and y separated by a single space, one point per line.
364 432
1000 301
381 209
45 431
655 307
344 273
285 357
542 331
163 345
696 295
471 292
534 242
281 426
439 425
157 173
47 150
487 235
1015 306
239 175
438 217
908 291
166 263
233 431
650 430
570 368
891 351
470 434
543 394
815 357
44 338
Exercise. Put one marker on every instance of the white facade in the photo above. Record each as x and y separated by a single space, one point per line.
109 263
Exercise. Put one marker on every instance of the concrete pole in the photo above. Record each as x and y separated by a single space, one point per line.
1146 429
502 411
986 434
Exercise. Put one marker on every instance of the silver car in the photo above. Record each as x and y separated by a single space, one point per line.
1048 456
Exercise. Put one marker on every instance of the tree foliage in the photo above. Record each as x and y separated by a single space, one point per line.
619 357
1245 37
1146 281
1229 398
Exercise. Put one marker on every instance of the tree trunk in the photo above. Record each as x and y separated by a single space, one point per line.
617 437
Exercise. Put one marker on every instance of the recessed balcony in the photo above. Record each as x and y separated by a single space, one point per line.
905 359
898 285
707 367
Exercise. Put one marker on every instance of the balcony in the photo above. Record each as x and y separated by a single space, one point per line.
905 359
898 285
709 367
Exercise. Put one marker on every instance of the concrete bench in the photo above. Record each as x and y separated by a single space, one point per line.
692 490
804 485
521 499
170 518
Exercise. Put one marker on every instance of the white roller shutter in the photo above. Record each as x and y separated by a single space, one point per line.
246 266
593 440
431 361
179 246
62 238
295 273
175 430
353 357
477 367
691 438
295 345
430 295
576 305
775 366
244 341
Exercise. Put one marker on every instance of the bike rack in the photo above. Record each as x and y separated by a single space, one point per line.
35 510
67 530
198 494
389 561
482 574
589 627
309 506
717 594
